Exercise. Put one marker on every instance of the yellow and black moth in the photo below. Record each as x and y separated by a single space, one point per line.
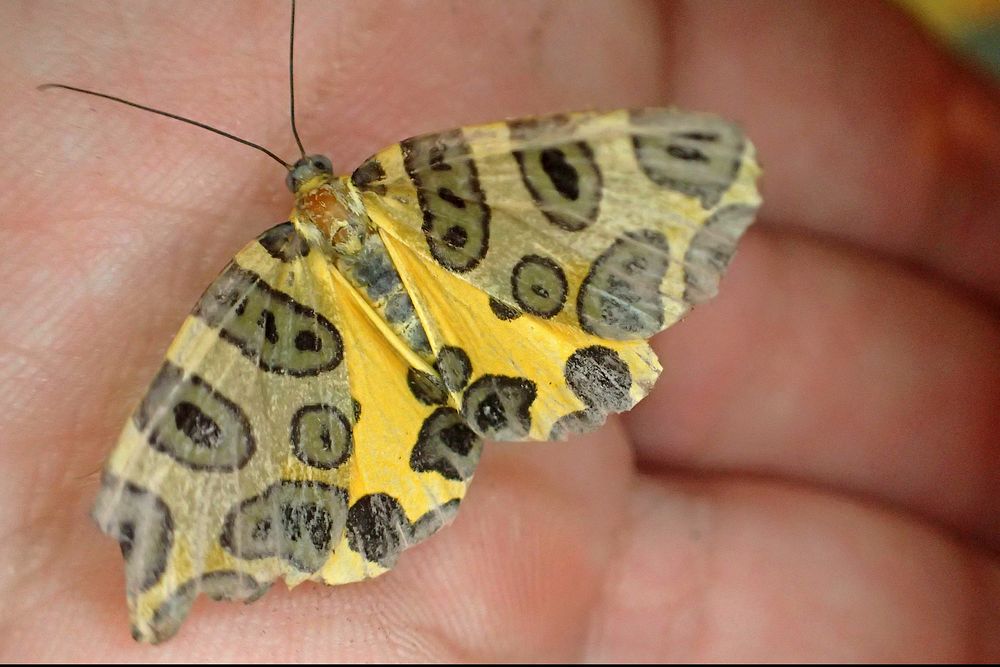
324 405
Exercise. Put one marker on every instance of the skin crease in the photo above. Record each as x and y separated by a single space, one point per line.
814 477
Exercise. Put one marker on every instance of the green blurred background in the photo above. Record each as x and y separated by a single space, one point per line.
970 27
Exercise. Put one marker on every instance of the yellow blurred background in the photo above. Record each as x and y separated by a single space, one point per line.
970 27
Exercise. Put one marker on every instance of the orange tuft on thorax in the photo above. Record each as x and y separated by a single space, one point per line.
324 209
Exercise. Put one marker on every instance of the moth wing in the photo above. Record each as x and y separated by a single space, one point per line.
540 253
613 223
520 377
279 439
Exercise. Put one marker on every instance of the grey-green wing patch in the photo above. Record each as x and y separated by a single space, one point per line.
560 172
218 585
620 298
297 521
456 216
446 445
378 529
498 407
191 421
539 286
322 436
268 326
697 155
712 249
142 524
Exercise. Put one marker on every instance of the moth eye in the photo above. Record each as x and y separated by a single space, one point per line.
290 182
323 163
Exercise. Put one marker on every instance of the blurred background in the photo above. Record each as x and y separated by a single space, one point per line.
969 27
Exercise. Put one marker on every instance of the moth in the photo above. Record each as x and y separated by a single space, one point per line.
324 405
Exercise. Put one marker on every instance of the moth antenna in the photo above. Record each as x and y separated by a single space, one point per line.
47 86
291 81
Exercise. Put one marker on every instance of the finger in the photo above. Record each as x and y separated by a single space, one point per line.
718 570
822 365
866 130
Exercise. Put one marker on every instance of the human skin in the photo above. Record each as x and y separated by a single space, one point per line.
815 476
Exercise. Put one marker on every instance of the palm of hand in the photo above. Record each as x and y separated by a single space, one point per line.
815 475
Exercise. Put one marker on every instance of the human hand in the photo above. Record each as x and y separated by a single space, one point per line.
814 477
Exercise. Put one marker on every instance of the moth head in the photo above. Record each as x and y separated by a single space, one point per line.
309 171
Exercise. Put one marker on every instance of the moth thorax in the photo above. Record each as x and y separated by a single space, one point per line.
329 208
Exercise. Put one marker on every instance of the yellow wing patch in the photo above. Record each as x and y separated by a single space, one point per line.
324 405
522 378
